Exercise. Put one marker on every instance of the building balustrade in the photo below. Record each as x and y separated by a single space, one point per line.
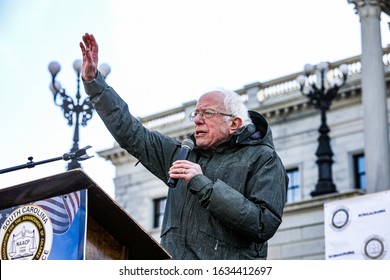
268 91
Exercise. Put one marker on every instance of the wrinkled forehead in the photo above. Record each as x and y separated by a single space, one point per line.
211 100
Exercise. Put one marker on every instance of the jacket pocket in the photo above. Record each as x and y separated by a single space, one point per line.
215 229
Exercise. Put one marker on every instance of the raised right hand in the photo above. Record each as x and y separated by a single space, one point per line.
90 51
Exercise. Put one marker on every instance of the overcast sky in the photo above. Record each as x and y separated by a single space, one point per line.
162 54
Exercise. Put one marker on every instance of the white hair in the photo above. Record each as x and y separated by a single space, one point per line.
234 104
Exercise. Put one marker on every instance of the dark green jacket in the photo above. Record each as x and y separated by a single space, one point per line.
231 210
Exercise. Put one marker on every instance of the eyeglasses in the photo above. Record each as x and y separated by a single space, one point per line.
207 114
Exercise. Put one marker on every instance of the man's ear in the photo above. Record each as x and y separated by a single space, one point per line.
236 124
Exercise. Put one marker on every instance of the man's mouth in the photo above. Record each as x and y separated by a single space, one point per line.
200 133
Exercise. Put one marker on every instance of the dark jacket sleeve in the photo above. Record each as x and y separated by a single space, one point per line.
154 150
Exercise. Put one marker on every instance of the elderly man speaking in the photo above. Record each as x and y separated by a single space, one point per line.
231 190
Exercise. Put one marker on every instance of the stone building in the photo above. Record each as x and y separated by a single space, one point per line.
354 129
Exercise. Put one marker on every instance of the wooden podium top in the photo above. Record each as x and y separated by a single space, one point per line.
101 207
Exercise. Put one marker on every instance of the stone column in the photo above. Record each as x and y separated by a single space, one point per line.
377 152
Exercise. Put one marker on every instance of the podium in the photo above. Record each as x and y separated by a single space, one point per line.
111 234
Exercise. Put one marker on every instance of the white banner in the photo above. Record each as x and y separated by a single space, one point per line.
358 228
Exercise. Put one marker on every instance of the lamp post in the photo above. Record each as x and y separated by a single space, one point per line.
321 85
73 107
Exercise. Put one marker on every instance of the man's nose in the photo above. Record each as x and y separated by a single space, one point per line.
199 119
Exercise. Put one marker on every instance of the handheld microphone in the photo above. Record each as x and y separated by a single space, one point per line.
186 147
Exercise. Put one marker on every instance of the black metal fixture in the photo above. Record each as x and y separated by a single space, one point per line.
72 107
79 155
321 85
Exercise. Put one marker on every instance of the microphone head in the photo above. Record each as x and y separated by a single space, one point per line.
188 143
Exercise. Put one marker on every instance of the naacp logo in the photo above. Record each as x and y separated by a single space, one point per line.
340 219
26 234
374 248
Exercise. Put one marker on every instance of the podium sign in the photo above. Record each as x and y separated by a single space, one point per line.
68 216
53 228
358 228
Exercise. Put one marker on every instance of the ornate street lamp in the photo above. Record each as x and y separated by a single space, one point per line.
72 107
321 85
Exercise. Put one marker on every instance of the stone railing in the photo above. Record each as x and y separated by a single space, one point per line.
163 119
288 84
264 91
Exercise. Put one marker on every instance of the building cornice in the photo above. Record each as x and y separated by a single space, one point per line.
117 156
